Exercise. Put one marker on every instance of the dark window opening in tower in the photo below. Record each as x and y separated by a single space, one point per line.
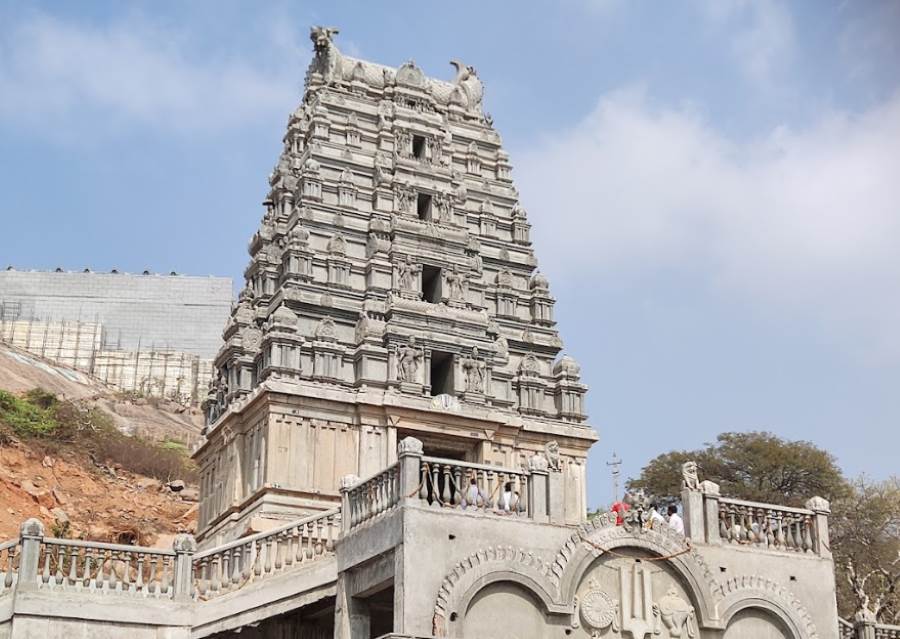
441 373
431 284
418 144
423 207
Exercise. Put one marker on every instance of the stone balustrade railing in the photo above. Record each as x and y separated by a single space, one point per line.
226 568
69 564
867 628
766 525
370 497
36 562
455 484
883 631
9 556
713 519
446 483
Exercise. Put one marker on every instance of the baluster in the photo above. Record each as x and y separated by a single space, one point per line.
780 541
74 559
733 531
523 495
280 544
770 534
309 527
289 536
201 567
495 483
126 576
215 567
423 485
60 564
435 488
85 580
480 483
98 579
807 534
139 578
166 566
45 575
379 494
270 553
112 580
246 561
456 496
236 554
258 564
329 542
445 492
156 567
320 545
10 568
298 551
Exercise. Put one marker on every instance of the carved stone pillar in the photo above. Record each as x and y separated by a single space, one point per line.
710 491
694 516
822 510
409 453
184 546
31 536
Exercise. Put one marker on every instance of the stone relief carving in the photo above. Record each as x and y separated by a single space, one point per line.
457 284
677 615
407 275
325 330
473 368
337 245
251 338
408 359
598 610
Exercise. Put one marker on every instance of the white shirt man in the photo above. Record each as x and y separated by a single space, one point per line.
675 520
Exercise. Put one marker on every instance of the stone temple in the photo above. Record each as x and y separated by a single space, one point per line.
396 444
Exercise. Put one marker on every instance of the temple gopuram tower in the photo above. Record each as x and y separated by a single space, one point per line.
392 291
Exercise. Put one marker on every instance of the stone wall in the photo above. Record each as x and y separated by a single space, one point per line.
138 312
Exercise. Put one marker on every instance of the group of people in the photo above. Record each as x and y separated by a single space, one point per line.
673 519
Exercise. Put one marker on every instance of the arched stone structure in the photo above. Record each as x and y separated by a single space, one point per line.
488 566
753 592
583 549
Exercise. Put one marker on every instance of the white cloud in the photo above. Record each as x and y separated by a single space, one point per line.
761 33
801 224
54 73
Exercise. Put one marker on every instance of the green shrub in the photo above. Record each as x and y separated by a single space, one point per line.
61 424
25 418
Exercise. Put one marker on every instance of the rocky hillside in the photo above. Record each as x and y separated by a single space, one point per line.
91 463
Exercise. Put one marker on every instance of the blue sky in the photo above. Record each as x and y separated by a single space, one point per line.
714 186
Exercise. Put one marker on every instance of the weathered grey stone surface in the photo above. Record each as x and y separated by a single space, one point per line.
392 290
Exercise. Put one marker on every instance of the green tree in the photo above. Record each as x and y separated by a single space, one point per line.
758 466
865 541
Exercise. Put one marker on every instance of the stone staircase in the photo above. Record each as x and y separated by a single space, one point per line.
240 583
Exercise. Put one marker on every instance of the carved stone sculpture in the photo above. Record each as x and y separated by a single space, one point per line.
408 361
677 614
408 271
473 368
551 451
456 283
690 480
